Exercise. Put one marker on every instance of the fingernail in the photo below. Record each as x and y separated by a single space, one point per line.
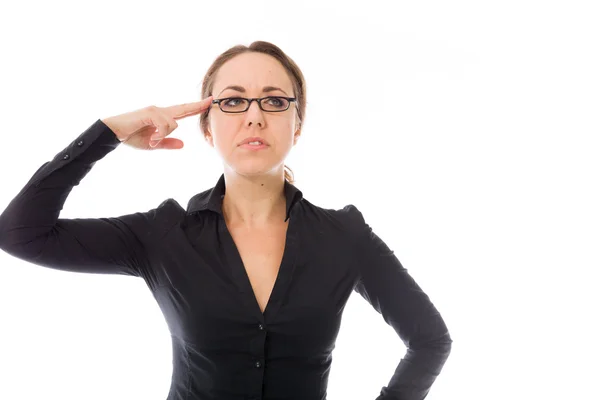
155 136
153 143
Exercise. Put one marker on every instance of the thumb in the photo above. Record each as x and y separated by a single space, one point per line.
169 144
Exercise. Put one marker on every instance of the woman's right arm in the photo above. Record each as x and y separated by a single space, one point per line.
30 227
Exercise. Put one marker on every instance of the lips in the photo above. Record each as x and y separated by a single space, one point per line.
254 139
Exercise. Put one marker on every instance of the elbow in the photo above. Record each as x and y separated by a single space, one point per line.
440 344
444 344
434 336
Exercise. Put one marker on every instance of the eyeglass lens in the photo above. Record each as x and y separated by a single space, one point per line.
238 104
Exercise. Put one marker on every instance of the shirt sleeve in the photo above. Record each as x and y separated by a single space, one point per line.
31 230
389 288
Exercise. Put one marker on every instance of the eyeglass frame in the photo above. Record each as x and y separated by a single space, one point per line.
250 100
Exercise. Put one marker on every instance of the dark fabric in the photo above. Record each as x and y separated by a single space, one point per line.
224 347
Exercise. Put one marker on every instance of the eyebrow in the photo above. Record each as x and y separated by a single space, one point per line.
265 89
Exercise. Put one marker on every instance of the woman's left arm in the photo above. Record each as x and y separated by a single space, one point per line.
388 287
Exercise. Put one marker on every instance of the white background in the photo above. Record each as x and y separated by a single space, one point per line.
467 132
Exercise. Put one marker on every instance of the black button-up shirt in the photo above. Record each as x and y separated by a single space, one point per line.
224 347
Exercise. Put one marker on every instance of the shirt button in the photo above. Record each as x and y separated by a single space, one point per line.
66 157
80 143
258 364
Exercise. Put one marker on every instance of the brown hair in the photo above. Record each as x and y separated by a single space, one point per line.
292 68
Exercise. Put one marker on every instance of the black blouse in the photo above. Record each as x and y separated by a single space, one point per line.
224 347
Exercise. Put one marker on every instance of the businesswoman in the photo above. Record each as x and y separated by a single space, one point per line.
251 277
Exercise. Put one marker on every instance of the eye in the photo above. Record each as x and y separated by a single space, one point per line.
232 101
275 101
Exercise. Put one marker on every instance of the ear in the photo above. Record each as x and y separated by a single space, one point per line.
298 132
207 133
209 138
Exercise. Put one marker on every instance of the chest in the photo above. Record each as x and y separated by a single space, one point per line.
261 251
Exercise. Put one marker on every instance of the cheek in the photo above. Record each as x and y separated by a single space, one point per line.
283 125
217 124
223 128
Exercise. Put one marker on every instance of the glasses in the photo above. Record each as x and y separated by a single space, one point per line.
241 104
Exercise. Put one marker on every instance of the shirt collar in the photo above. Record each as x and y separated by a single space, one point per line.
212 199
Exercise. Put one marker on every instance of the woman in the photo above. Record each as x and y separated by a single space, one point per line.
252 278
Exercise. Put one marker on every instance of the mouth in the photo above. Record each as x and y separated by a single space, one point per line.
254 140
256 145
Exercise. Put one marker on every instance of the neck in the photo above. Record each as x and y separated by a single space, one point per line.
254 201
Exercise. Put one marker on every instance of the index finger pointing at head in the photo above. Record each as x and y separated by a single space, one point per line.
188 109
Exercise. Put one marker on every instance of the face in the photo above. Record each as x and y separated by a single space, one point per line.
253 72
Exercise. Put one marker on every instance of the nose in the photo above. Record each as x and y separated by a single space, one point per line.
254 115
